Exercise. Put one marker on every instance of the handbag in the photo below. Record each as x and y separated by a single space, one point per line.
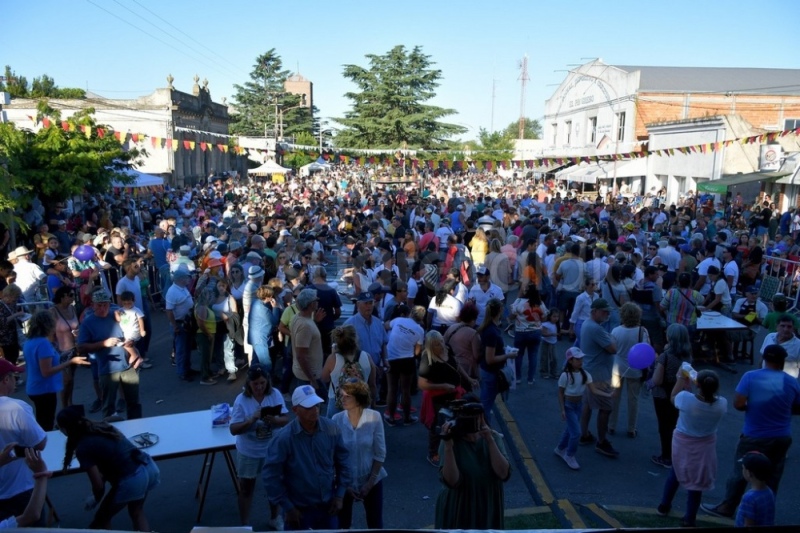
505 377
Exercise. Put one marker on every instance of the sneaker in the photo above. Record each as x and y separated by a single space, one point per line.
120 406
276 524
389 421
660 461
519 381
412 419
95 407
208 381
715 510
571 462
221 372
546 377
662 510
530 382
606 449
559 452
146 365
587 439
232 377
172 361
434 460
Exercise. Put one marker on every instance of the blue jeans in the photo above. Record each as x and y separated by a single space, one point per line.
527 342
373 508
488 393
578 326
571 433
316 517
693 497
261 353
183 352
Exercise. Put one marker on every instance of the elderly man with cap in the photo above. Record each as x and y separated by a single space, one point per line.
255 278
599 349
18 426
100 334
307 352
29 275
768 397
179 305
372 338
307 468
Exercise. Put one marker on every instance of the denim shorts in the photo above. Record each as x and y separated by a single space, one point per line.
136 486
249 467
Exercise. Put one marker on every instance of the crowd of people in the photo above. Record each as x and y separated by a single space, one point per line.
445 274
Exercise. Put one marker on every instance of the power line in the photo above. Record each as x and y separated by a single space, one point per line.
142 30
183 43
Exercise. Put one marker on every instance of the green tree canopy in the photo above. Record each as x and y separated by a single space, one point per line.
54 164
533 130
261 101
389 109
41 87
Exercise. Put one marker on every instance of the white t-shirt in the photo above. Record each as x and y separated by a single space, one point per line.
482 297
625 339
17 424
253 443
132 285
447 313
702 270
721 287
732 269
573 387
792 363
129 322
405 334
697 418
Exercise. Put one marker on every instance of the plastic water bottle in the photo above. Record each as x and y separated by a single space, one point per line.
688 371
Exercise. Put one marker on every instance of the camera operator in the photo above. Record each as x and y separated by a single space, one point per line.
474 467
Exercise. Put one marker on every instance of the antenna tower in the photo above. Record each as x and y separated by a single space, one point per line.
524 79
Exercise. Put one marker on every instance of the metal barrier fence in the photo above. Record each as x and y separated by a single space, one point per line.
781 275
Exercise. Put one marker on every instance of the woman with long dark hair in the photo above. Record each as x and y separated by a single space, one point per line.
694 441
446 307
494 354
107 456
44 366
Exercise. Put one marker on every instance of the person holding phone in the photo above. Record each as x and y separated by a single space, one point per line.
256 412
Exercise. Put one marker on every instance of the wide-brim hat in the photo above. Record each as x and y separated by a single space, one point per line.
19 251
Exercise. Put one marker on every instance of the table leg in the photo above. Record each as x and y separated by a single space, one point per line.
202 474
231 469
205 484
52 515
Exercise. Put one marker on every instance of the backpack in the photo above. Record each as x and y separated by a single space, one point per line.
349 370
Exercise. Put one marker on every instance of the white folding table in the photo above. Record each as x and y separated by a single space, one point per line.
179 435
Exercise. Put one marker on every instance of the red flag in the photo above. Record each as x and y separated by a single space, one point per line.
65 125
46 122
101 133
186 145
135 137
203 146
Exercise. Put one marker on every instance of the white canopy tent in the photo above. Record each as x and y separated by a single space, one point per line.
270 167
140 179
305 170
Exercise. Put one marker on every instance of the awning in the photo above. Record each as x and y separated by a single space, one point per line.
583 173
635 168
725 183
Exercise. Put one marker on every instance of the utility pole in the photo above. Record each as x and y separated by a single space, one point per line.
524 79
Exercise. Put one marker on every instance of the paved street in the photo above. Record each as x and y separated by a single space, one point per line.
412 485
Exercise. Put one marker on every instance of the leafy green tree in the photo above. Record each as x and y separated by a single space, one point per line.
262 105
533 129
41 87
389 107
55 164
490 146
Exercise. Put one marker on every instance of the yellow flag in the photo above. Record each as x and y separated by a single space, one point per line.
192 145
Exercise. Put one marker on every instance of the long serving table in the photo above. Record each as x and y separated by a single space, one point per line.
179 435
718 322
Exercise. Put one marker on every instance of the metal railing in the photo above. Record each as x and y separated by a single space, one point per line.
781 275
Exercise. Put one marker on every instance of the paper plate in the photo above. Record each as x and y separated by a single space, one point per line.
144 440
711 313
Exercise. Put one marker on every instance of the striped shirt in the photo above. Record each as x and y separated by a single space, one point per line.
677 305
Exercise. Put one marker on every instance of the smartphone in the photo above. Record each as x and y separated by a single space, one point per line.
270 411
19 451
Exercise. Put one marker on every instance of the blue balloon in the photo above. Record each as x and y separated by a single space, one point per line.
84 253
641 356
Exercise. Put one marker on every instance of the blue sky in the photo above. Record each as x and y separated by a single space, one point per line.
87 43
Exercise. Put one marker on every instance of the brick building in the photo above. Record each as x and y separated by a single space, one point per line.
602 109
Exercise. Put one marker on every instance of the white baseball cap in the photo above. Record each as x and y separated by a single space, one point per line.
305 396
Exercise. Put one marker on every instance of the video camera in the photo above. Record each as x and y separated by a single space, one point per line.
464 415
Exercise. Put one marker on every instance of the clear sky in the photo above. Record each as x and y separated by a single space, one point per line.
121 49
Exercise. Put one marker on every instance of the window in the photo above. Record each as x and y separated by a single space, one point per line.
555 133
592 130
568 127
791 124
621 126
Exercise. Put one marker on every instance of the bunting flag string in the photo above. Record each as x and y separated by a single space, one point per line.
446 159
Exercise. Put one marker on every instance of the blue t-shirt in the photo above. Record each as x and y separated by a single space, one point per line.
159 247
96 329
35 350
770 397
53 284
758 506
492 337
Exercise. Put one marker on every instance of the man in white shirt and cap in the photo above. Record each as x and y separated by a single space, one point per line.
28 274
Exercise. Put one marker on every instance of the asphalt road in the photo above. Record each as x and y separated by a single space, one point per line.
412 486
